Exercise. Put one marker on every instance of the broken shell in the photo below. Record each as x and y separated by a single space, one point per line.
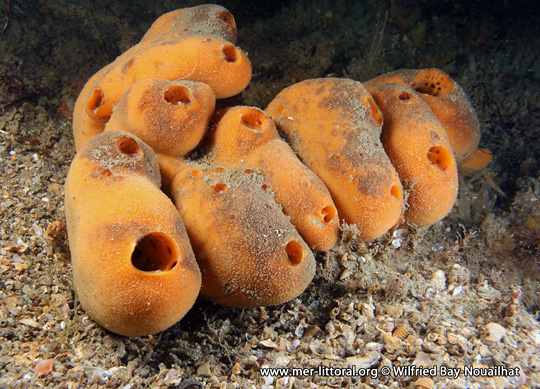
494 332
44 367
438 280
268 343
423 383
400 332
433 336
364 362
391 343
236 369
367 310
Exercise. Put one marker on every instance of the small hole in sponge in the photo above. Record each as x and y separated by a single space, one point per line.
95 100
176 94
405 96
219 170
231 53
128 146
253 118
329 213
227 18
155 251
106 173
194 173
218 188
279 109
294 252
441 157
395 191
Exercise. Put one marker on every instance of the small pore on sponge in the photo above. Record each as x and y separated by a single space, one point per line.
128 146
155 252
294 252
94 101
254 119
440 156
231 53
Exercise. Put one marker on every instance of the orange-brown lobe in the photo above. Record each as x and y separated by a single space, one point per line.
210 59
247 137
334 127
419 149
249 253
206 19
133 267
170 116
448 102
476 162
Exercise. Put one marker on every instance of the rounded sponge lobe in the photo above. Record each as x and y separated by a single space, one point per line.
448 102
249 253
170 116
247 137
334 126
134 270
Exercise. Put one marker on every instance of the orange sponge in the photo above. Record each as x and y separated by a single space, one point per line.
133 267
170 116
334 126
420 151
448 102
247 137
477 161
206 19
248 251
209 59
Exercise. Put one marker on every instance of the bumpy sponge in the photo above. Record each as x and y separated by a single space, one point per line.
247 137
249 252
170 116
448 102
419 149
334 126
172 52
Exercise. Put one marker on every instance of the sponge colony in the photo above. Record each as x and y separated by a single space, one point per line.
247 137
419 149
